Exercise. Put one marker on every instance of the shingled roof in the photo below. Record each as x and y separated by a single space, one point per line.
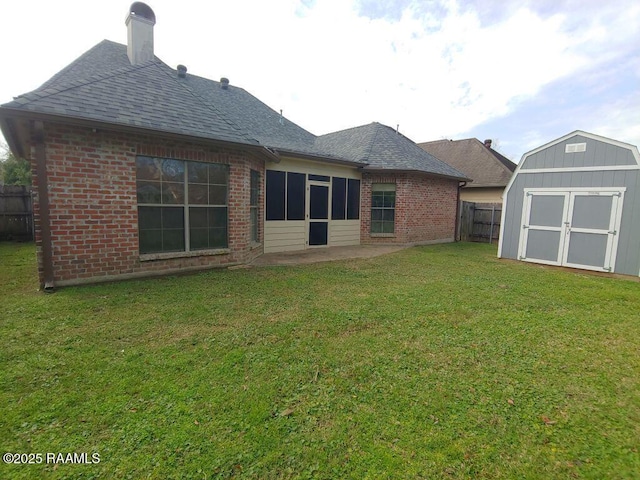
485 166
383 148
102 86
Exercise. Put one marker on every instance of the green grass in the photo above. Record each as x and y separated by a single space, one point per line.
433 362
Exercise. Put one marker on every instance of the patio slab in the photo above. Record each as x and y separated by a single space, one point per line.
315 255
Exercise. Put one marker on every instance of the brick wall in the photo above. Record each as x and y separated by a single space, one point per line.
426 208
93 206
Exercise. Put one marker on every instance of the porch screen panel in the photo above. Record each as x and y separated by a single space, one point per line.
275 195
296 185
353 200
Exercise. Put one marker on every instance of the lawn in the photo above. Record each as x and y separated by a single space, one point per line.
433 362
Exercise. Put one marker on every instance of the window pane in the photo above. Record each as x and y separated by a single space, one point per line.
149 217
199 238
217 195
387 227
254 224
173 240
377 199
217 217
218 238
390 199
338 198
275 195
388 215
172 170
376 214
353 199
198 217
150 241
172 217
296 184
218 174
172 193
198 172
149 192
147 168
255 188
376 227
198 194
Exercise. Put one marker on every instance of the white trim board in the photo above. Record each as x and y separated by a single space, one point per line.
580 169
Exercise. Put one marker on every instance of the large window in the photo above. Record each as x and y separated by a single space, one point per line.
254 205
182 206
383 208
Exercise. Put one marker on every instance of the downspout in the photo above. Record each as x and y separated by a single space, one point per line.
43 201
460 185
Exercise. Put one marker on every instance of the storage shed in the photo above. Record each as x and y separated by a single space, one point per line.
575 202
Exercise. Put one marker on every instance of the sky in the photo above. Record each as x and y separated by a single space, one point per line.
519 72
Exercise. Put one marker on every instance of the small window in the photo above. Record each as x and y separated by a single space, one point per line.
254 206
383 208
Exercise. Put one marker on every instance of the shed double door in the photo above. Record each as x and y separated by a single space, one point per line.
573 228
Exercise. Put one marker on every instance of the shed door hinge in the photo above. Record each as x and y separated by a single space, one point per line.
613 232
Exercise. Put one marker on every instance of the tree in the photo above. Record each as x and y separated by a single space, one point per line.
13 170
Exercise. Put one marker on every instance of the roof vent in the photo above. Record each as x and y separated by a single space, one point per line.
224 83
575 147
182 71
487 143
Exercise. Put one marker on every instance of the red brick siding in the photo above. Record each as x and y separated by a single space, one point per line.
426 208
93 206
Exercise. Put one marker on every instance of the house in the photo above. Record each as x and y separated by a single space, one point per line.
143 169
489 169
575 202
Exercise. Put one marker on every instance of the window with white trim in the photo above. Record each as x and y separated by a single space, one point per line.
383 208
182 205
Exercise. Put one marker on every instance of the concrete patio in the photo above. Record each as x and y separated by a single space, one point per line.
315 255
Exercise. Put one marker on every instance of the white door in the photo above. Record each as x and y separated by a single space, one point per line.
574 228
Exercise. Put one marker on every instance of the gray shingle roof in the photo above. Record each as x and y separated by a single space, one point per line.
102 86
484 165
382 148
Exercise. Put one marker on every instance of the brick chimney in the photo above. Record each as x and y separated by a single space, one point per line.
487 143
140 22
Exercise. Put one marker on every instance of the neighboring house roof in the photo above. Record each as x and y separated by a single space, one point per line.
102 86
383 148
485 166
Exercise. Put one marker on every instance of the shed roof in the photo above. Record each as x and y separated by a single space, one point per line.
487 167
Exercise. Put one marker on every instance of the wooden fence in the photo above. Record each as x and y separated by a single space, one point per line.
16 213
480 222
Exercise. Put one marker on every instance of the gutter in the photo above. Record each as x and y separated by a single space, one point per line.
43 207
7 113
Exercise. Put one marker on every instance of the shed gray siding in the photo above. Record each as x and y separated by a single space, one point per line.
598 153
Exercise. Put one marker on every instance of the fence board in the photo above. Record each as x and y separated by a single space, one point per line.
16 213
480 222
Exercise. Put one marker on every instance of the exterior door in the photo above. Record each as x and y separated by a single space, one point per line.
592 230
574 228
318 215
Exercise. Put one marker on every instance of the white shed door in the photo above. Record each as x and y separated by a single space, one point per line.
574 228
